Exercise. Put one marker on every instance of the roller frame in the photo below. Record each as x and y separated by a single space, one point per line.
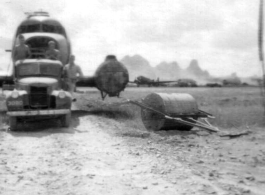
201 114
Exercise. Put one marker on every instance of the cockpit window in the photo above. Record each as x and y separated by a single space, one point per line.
33 28
39 45
60 30
48 28
30 28
53 29
41 28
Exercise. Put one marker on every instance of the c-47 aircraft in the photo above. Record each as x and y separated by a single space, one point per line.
37 81
141 80
111 77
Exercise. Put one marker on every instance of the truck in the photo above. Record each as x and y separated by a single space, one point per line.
38 88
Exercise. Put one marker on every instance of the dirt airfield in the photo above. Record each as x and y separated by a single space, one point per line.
100 155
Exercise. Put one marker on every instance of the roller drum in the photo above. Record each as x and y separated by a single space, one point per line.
174 105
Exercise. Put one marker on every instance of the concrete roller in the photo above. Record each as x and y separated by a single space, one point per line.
174 105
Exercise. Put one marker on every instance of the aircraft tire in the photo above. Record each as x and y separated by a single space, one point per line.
66 120
13 123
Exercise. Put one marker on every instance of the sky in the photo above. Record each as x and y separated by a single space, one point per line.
220 34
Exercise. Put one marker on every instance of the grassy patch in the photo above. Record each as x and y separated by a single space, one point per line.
232 107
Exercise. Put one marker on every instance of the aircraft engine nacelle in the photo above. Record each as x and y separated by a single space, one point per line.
111 77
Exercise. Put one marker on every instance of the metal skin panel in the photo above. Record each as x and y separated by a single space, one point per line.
171 104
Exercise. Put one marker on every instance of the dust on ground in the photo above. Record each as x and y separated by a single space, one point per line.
99 155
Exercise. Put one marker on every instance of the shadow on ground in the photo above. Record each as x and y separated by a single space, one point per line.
40 128
169 133
113 114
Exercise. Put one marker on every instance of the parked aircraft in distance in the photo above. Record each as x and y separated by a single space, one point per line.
142 80
213 85
232 82
186 83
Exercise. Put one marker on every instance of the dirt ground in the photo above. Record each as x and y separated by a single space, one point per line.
99 155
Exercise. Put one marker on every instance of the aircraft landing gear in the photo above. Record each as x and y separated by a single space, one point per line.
103 95
13 123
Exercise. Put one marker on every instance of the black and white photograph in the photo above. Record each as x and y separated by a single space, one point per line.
132 97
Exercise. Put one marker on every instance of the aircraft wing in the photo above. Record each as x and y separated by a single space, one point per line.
5 77
151 82
86 82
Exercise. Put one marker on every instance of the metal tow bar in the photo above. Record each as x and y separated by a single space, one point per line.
202 114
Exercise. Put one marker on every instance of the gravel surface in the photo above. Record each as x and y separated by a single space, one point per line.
99 155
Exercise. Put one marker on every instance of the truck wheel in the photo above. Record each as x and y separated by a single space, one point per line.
13 123
66 120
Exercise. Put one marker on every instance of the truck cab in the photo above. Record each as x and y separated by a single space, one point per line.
38 82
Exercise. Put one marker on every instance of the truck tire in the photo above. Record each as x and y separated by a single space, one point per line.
66 120
13 123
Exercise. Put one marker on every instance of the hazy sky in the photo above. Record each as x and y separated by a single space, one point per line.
220 34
